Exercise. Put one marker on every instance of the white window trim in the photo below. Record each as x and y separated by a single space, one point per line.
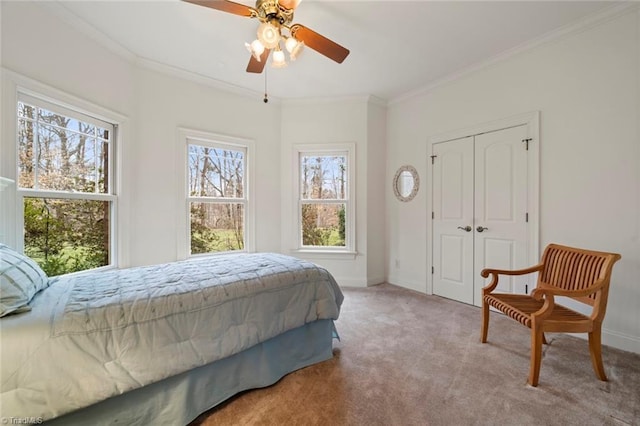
185 137
14 83
326 149
31 91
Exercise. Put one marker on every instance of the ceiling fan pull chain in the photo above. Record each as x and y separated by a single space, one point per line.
266 99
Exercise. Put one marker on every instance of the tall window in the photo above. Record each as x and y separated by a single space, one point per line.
325 209
217 197
65 183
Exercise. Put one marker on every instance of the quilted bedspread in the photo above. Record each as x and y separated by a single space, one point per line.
100 334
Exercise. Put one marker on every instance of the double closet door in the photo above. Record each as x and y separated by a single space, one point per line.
479 216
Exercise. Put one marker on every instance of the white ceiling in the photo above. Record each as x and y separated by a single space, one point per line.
397 47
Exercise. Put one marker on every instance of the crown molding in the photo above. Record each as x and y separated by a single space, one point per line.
366 99
172 71
73 20
76 22
587 22
378 101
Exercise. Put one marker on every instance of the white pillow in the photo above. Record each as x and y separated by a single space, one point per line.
20 279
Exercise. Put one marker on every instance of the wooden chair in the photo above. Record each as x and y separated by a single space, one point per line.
583 275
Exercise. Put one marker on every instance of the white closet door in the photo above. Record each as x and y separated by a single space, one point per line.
453 219
479 212
500 211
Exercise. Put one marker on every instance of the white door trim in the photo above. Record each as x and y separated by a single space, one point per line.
532 121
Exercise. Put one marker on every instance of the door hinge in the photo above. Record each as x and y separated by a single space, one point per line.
432 271
526 143
433 159
433 215
526 217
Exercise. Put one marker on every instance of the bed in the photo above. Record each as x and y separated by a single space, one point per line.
162 344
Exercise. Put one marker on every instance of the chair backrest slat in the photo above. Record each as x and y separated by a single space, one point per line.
571 268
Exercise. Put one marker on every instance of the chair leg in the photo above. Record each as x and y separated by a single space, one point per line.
536 355
485 322
595 348
544 339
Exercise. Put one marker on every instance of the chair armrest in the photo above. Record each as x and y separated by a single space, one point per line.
497 272
485 272
545 289
547 307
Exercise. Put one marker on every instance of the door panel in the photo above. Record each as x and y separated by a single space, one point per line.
500 206
500 255
452 210
479 181
452 264
498 179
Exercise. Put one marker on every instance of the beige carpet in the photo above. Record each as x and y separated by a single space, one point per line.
410 359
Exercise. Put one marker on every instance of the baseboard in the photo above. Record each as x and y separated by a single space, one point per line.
621 341
615 339
419 286
371 281
359 282
351 282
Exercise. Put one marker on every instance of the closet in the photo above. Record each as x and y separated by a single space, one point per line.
480 211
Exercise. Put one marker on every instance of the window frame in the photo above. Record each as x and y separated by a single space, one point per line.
88 113
188 137
334 149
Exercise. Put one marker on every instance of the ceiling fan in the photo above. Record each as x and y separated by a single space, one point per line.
276 16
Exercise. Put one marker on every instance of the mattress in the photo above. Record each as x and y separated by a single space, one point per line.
96 335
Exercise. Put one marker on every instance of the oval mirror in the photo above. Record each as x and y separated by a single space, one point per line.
406 183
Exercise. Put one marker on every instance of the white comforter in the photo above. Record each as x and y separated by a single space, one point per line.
100 334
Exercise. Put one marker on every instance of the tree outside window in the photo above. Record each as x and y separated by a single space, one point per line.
324 199
217 198
64 170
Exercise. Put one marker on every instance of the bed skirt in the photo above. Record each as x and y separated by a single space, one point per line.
180 399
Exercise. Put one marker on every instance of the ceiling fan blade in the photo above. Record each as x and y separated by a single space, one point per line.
289 4
255 66
226 6
319 43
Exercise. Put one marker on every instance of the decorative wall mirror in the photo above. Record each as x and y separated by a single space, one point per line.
406 183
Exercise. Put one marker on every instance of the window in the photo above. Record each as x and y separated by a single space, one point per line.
65 185
325 208
217 196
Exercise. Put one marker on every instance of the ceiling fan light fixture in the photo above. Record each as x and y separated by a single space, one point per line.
278 60
268 35
255 48
294 47
290 44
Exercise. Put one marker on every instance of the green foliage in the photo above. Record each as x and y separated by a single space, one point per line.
313 235
205 238
214 241
65 236
341 226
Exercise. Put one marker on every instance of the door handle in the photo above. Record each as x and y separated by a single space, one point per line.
481 229
466 228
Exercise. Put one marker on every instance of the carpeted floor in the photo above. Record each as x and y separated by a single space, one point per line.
410 359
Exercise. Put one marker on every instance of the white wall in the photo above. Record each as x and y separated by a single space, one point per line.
586 86
377 189
358 121
165 104
63 60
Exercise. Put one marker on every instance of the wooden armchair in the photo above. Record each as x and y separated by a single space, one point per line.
583 275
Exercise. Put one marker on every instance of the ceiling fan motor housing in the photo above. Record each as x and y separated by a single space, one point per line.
270 10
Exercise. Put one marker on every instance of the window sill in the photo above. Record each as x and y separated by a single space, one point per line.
325 254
